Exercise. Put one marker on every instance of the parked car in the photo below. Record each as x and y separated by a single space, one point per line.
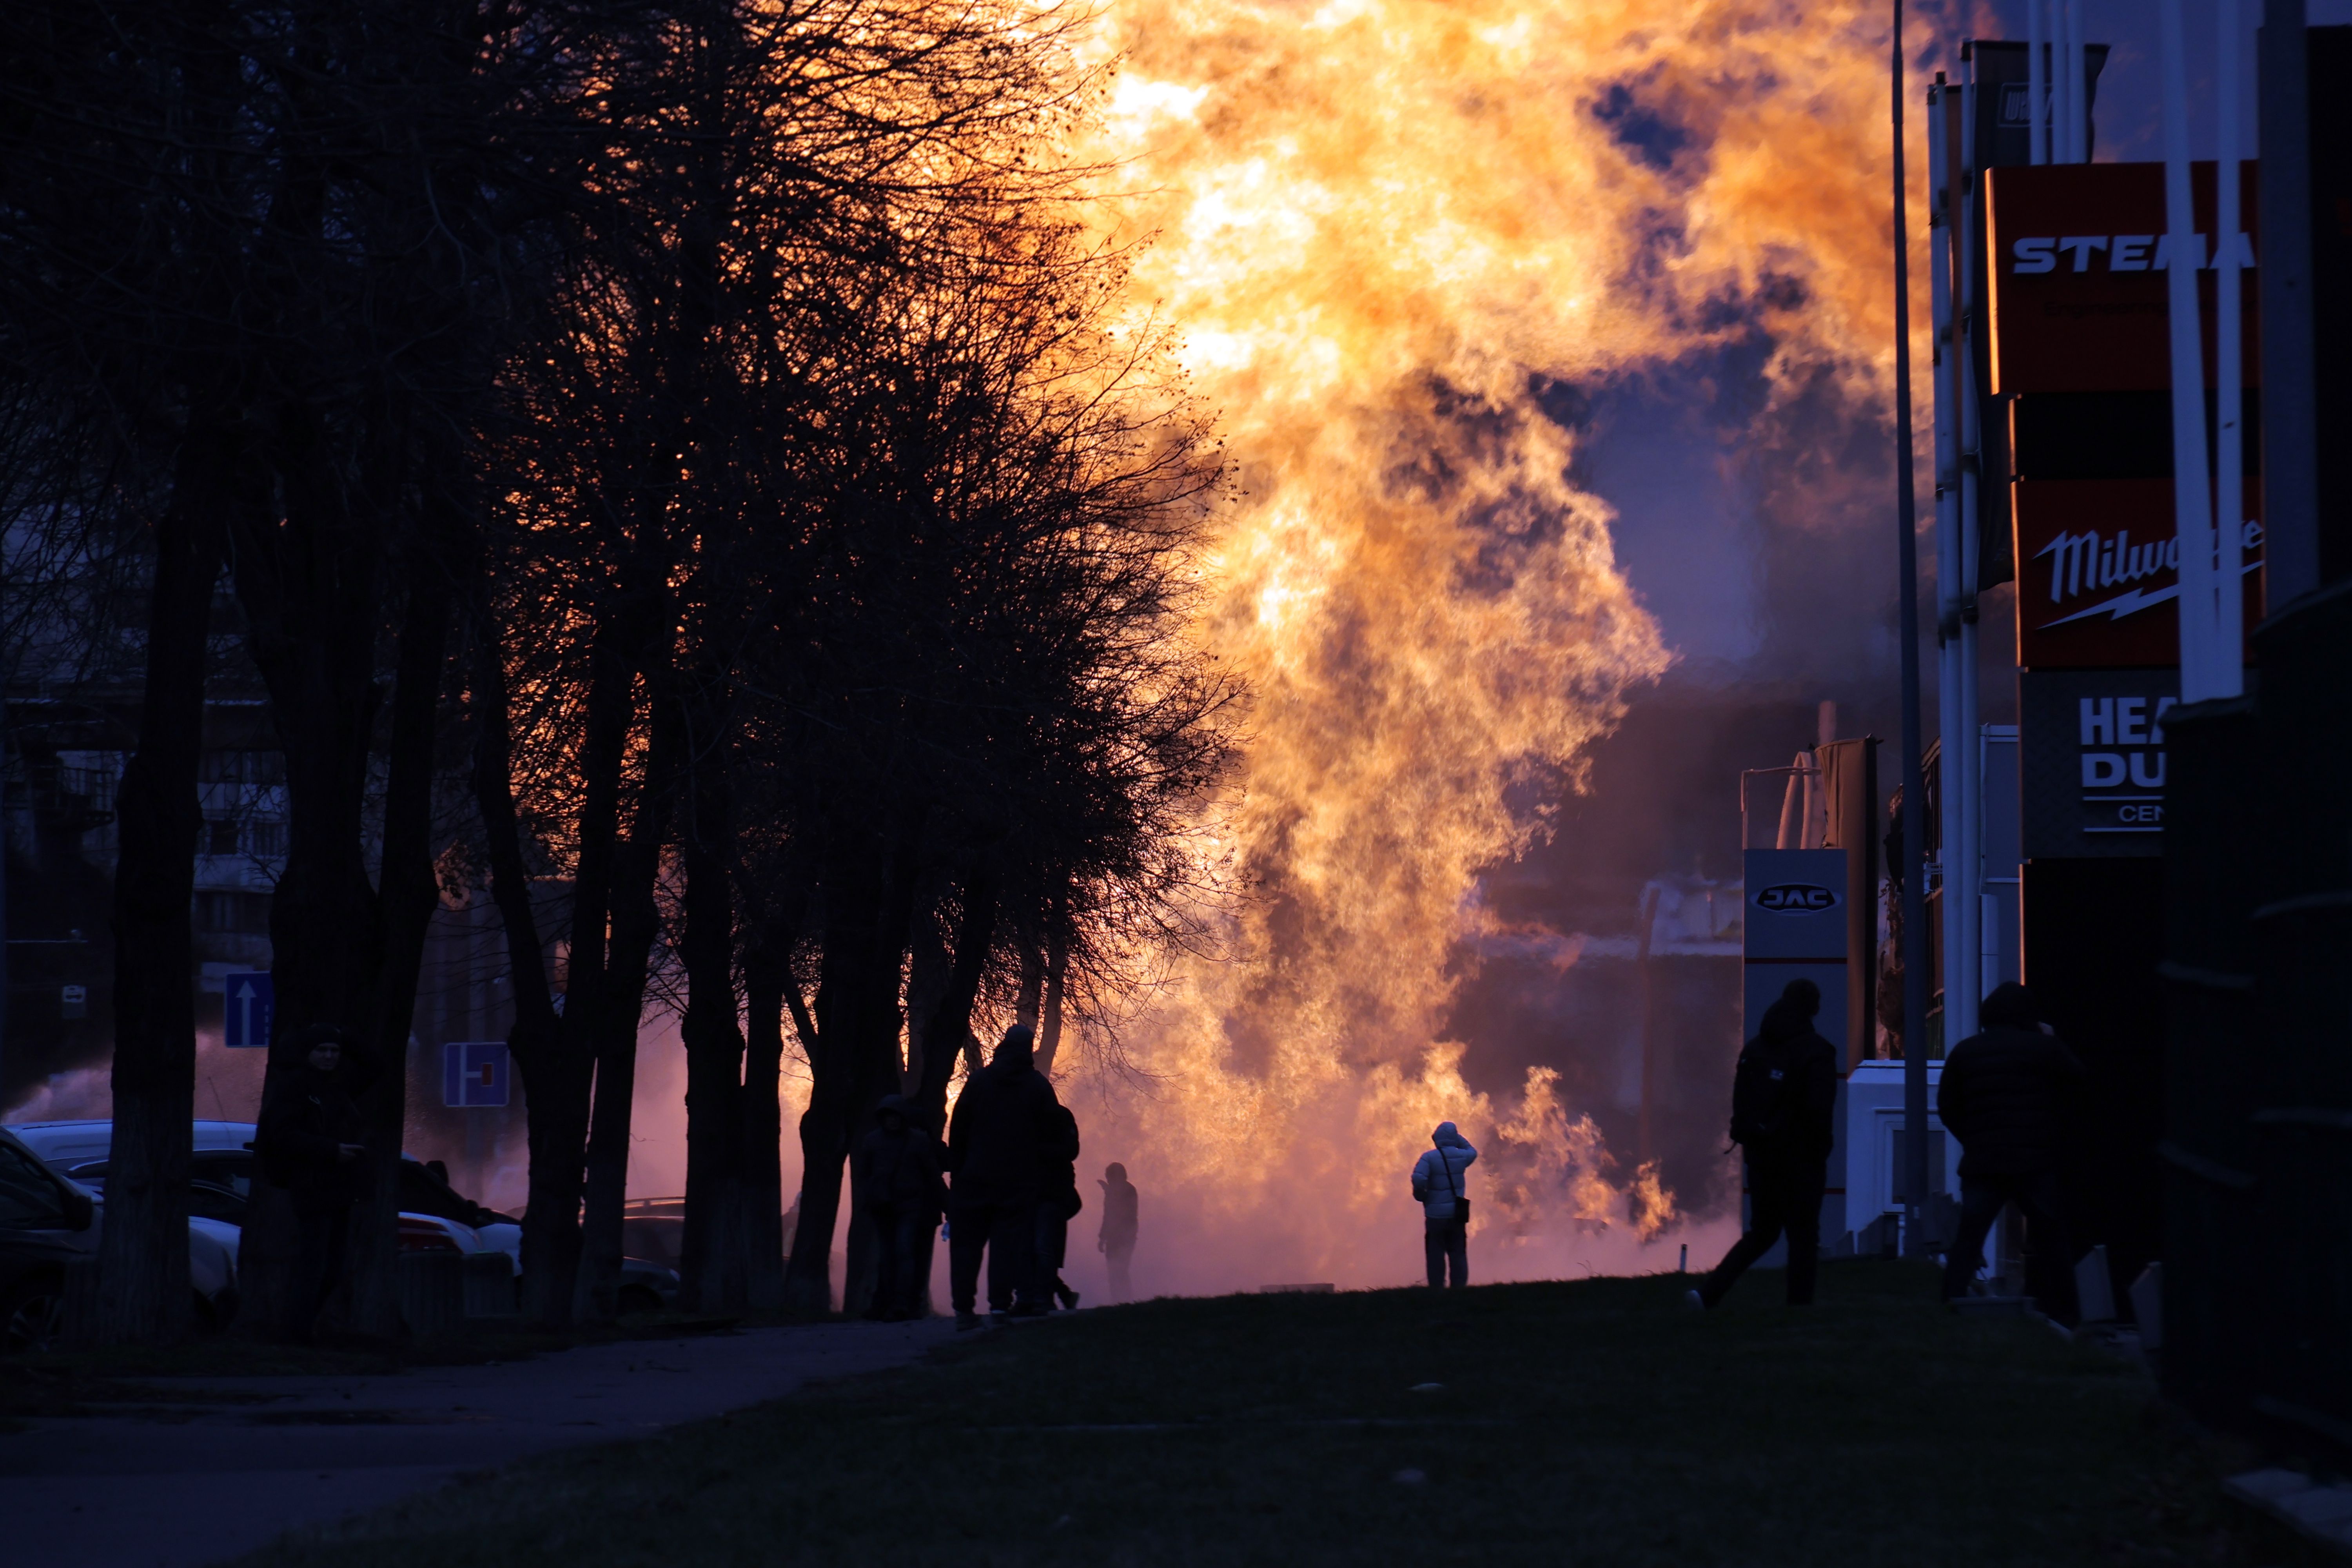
223 1167
47 1220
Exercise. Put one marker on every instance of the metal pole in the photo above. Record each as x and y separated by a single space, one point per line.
1915 782
2192 496
2290 381
1951 795
2229 488
1960 998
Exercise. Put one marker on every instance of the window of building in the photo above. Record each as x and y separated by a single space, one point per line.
226 914
220 835
266 840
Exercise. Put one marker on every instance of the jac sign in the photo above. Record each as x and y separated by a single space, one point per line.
1796 898
2079 269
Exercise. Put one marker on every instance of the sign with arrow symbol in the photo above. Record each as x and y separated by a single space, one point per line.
250 1004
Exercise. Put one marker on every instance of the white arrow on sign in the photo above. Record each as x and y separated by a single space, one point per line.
245 994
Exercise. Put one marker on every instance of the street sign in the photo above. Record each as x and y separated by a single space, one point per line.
474 1073
250 1001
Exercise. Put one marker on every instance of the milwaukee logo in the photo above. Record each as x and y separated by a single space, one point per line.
2092 563
1796 898
2113 253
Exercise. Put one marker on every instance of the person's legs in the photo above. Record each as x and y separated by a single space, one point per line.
1011 1256
321 1235
885 1259
1982 1199
967 1237
1803 1222
1458 1249
1122 1285
1766 1201
2049 1251
1433 1250
906 1238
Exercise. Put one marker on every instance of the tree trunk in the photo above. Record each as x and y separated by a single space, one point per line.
144 1248
1057 970
309 585
714 1043
946 1029
767 981
853 900
612 1006
407 891
554 1076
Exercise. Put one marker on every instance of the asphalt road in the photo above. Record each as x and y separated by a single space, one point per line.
187 1485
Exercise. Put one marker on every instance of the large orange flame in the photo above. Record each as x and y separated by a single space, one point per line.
1384 228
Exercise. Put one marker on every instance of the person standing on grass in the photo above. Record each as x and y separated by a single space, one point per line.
1006 1134
309 1144
2013 1095
1055 1210
1783 1094
898 1179
1440 1186
1116 1240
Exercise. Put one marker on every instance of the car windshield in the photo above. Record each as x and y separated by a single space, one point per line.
28 1198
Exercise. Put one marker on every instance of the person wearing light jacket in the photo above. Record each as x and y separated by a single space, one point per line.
1441 1184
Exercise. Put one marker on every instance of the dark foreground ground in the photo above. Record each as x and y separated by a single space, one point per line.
1587 1423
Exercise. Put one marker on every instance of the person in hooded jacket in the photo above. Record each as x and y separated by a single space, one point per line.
308 1142
1441 1185
1115 1239
1007 1134
2013 1094
1784 1098
897 1176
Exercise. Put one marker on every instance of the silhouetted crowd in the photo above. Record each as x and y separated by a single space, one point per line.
1007 1180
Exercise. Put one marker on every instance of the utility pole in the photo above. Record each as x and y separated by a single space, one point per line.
1915 782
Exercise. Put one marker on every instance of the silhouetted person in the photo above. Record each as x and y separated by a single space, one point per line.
1784 1097
1115 1239
2013 1095
897 1178
1441 1185
1058 1205
1006 1134
309 1144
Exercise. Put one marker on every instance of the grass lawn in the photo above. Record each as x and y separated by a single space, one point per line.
1593 1421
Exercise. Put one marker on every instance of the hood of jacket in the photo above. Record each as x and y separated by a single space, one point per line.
1449 1136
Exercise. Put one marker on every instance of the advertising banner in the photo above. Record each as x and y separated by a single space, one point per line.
2078 262
2094 761
2099 580
1795 925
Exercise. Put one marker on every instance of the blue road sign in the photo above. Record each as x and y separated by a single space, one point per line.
250 997
474 1073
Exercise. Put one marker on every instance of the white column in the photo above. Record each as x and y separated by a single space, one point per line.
2037 83
2062 95
2078 97
2191 485
2229 456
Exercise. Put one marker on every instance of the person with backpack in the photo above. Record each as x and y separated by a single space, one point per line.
1441 1185
1783 1099
2013 1095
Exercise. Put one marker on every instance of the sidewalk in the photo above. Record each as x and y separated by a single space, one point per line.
184 1486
